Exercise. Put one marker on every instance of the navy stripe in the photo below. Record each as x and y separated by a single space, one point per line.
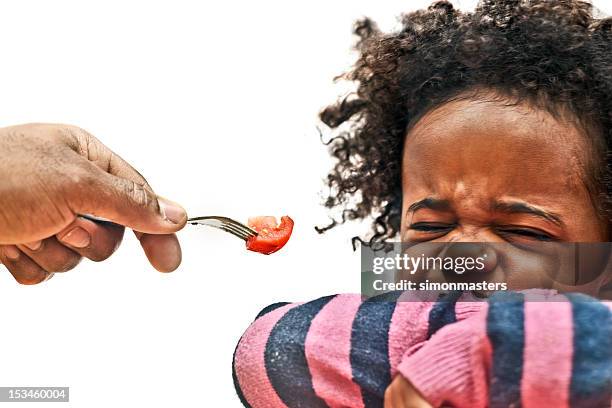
285 356
443 312
370 365
235 378
506 331
270 308
591 384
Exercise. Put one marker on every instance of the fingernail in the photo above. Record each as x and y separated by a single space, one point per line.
33 246
77 237
11 252
172 211
49 276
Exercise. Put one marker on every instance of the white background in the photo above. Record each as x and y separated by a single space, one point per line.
216 104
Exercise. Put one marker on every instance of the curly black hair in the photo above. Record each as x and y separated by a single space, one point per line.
554 54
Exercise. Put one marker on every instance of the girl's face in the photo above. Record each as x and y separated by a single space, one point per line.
476 171
484 172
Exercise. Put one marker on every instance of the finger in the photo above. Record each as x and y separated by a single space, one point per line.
101 155
34 245
91 239
24 270
402 394
163 251
393 396
52 256
124 201
113 189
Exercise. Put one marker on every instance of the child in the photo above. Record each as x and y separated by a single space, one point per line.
491 126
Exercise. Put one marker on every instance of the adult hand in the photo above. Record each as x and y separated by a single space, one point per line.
49 175
402 394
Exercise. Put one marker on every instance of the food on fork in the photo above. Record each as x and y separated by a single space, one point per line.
271 236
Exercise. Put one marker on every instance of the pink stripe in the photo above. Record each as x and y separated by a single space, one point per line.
328 350
468 305
410 322
452 368
250 365
409 326
548 354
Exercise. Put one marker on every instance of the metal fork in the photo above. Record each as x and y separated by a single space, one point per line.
226 224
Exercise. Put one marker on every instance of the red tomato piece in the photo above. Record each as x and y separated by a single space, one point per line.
271 236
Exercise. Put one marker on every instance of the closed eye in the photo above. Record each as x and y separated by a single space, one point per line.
528 233
431 227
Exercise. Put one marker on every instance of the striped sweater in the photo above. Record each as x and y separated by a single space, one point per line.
343 351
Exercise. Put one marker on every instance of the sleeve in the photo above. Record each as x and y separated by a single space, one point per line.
518 351
336 351
277 356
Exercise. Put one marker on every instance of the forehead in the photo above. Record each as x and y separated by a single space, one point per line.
494 149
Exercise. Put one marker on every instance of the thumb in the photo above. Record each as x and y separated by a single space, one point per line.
126 202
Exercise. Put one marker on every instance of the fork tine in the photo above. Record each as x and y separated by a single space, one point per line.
224 227
237 225
245 230
226 224
229 228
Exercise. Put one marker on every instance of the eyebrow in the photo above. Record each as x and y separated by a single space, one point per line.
510 207
518 207
431 203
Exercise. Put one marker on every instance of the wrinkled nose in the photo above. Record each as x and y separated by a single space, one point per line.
471 260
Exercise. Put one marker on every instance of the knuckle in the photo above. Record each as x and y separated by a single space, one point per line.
99 257
26 276
65 263
29 281
102 254
139 194
57 259
75 136
105 242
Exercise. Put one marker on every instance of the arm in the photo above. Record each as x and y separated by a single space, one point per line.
335 351
542 352
340 351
